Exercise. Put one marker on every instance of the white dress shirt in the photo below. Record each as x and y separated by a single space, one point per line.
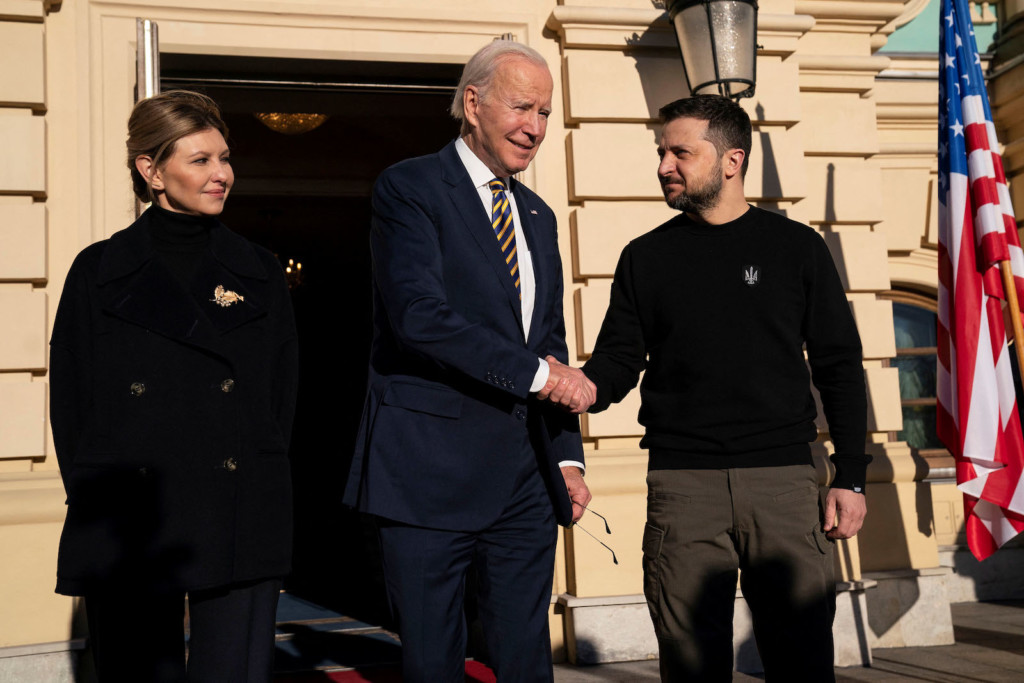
480 175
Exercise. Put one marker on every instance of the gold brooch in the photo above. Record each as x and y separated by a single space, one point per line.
225 297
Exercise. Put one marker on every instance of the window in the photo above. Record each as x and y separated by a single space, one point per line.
914 321
916 359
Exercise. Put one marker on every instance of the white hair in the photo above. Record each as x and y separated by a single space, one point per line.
482 66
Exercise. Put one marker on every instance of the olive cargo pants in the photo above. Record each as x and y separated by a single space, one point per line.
703 527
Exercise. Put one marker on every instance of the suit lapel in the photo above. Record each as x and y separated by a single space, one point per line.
154 300
467 204
541 278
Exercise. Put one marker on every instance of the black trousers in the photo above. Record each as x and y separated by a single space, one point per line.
425 570
137 637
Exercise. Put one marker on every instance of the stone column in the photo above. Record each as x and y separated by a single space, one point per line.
856 204
32 617
1006 91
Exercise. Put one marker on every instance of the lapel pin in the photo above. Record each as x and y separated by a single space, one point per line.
225 297
533 211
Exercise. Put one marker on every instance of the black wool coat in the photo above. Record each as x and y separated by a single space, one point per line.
171 417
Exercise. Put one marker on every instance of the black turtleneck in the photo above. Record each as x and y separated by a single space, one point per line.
180 240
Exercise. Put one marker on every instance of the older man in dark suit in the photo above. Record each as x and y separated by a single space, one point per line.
456 456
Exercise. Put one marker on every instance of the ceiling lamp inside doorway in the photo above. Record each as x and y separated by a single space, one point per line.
291 124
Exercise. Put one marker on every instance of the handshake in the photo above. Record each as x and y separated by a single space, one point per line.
568 387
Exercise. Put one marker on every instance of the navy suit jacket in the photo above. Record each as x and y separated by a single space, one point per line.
447 407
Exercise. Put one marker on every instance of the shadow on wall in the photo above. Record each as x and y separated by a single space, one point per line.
1000 577
844 558
663 80
84 671
771 184
886 543
748 660
830 196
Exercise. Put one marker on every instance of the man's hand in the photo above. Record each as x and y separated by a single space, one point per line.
568 387
850 508
579 494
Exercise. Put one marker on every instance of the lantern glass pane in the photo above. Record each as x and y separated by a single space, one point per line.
691 26
733 24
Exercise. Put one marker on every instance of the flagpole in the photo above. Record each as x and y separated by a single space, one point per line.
1010 285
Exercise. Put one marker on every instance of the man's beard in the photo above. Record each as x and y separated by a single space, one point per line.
702 197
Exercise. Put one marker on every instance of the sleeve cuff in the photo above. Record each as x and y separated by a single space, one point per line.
573 463
851 472
541 378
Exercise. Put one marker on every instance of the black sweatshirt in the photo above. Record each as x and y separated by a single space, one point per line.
718 316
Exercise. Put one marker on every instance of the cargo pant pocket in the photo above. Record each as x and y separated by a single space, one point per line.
652 542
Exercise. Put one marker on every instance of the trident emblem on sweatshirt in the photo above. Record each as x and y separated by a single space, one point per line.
751 275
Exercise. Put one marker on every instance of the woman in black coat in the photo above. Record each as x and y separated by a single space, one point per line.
173 373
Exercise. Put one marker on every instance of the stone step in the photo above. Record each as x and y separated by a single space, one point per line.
311 637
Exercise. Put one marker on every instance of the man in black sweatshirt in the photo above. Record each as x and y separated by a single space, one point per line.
717 307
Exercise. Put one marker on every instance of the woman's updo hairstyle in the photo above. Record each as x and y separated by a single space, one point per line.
160 121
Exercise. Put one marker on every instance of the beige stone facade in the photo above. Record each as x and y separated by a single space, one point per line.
844 141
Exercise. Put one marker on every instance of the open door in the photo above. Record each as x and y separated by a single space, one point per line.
303 192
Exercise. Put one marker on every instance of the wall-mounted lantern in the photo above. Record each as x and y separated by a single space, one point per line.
718 41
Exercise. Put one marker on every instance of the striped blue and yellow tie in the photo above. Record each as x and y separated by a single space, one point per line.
504 230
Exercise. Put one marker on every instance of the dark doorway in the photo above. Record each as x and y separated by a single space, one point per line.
306 197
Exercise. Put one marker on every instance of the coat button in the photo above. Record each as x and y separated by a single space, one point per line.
520 414
231 464
227 386
137 388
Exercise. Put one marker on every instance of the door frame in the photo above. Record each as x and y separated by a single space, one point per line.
311 30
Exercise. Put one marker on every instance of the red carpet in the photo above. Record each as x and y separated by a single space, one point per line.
475 673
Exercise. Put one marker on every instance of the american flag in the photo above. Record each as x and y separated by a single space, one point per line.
977 408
